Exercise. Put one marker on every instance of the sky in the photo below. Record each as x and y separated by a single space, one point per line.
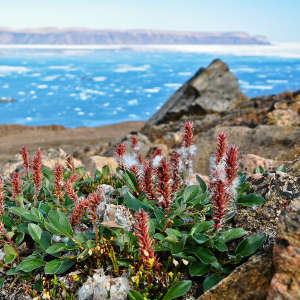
277 19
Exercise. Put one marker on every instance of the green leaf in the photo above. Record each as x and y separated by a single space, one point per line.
191 192
178 289
202 227
105 172
251 200
59 248
10 253
45 239
205 255
130 181
259 170
220 245
58 266
201 183
198 269
200 238
35 232
210 281
135 295
59 221
19 238
175 232
250 245
36 214
30 263
282 168
233 234
132 203
2 280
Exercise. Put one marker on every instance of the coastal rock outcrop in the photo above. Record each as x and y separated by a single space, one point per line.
285 283
211 90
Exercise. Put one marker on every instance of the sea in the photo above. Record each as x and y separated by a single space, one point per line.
92 86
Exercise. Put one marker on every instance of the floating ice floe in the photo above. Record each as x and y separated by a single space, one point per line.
129 68
99 78
133 102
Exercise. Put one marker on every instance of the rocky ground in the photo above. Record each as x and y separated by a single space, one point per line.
267 132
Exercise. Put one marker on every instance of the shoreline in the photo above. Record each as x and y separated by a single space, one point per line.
72 140
275 49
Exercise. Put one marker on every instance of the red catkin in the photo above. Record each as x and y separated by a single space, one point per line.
231 166
220 202
26 165
94 200
176 179
1 197
79 211
37 172
163 184
221 147
148 187
119 155
58 181
69 188
148 258
188 138
16 185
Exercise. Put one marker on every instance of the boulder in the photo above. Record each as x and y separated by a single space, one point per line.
285 284
98 162
249 162
211 90
249 281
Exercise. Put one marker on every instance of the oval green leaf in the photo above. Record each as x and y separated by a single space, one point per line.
250 245
178 289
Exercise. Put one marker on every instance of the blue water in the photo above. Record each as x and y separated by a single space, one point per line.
92 88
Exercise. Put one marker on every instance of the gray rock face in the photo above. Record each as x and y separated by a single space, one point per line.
211 90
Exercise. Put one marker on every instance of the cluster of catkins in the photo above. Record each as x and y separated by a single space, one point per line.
159 178
224 179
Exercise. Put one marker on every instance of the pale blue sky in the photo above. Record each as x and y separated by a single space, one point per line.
277 19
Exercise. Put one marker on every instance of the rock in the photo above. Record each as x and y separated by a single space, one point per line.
274 142
285 284
250 281
249 162
210 90
279 190
98 162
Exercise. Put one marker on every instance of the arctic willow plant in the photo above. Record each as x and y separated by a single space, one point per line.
145 232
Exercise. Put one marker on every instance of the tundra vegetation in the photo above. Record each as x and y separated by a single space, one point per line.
146 231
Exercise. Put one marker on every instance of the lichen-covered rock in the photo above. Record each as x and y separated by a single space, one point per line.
250 281
285 284
279 190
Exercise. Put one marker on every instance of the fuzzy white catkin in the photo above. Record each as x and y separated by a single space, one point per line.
101 286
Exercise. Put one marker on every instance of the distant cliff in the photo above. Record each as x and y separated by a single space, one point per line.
81 36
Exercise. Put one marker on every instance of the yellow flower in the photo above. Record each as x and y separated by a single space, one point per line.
171 274
76 277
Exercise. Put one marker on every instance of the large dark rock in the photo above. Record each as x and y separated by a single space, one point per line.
211 90
285 284
250 281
